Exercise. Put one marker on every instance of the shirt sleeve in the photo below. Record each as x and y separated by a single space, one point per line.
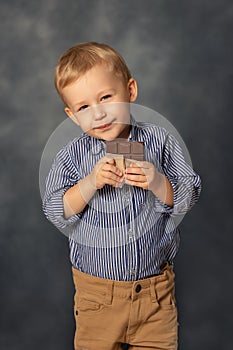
63 175
185 182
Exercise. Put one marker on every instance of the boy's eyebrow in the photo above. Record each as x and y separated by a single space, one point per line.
104 91
81 103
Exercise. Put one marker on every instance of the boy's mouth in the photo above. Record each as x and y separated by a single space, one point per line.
103 127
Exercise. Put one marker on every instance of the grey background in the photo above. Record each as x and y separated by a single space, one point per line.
181 53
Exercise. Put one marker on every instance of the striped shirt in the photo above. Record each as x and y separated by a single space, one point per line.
123 233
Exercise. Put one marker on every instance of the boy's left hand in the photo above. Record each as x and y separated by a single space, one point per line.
143 174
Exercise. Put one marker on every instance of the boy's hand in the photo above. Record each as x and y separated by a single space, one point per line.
144 175
105 172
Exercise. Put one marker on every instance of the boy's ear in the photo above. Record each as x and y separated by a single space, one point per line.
71 115
133 89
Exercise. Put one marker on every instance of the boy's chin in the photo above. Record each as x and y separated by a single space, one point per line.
106 137
111 134
112 137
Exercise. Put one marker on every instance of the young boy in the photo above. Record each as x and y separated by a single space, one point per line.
122 233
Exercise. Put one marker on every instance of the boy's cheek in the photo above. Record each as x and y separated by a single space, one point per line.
84 124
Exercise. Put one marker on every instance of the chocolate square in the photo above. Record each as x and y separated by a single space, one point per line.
124 148
137 148
112 147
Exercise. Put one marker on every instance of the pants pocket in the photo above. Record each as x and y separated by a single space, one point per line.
166 292
166 299
88 303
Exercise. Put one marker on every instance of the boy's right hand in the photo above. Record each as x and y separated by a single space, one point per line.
105 172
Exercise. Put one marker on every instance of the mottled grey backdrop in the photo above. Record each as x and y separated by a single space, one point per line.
181 54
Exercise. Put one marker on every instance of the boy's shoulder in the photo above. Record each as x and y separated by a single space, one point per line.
150 126
151 130
80 146
81 141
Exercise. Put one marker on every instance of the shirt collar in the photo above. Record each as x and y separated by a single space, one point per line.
97 146
132 133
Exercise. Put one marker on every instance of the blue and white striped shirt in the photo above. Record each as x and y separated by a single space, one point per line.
122 233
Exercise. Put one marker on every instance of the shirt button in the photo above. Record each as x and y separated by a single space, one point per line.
133 272
138 288
130 234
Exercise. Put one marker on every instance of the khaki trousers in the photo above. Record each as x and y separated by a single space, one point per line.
109 313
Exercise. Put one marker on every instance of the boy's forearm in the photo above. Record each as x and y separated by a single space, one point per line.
164 191
77 197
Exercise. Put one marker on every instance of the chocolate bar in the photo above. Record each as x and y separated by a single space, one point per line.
125 152
128 149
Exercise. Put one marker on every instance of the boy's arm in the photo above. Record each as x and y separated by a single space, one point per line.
163 190
67 193
178 187
185 182
146 176
78 196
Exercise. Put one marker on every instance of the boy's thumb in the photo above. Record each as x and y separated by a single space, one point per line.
111 161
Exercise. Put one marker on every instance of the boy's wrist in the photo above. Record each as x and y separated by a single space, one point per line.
90 180
162 188
159 180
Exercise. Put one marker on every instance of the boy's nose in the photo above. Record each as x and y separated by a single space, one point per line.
99 112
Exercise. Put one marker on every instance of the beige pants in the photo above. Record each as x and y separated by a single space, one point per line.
109 313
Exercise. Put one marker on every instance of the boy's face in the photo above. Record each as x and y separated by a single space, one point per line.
99 103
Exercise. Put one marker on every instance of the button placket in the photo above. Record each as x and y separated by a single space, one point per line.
130 234
133 272
126 197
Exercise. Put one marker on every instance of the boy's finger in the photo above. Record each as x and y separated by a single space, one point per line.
105 160
137 184
136 177
135 165
112 168
144 165
134 170
110 161
113 180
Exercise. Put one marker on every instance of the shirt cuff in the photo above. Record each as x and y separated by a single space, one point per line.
182 197
54 211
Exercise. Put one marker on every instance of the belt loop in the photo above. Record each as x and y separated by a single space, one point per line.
109 293
153 293
164 266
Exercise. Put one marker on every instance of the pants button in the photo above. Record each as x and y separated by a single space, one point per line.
138 288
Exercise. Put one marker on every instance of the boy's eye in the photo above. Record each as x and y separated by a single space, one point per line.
105 97
82 108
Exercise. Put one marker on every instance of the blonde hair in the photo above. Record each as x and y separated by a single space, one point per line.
77 60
